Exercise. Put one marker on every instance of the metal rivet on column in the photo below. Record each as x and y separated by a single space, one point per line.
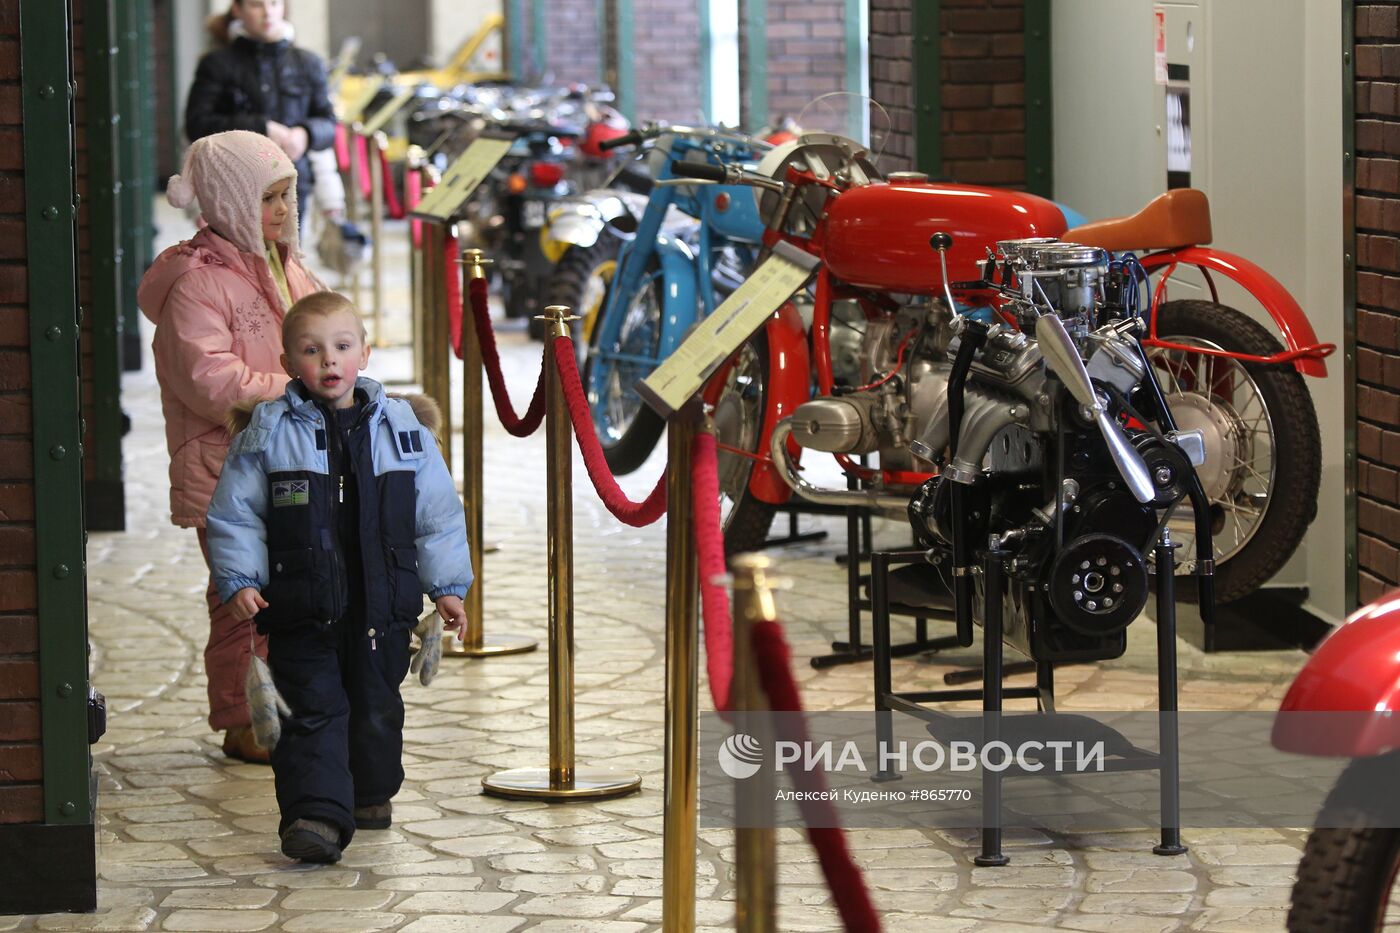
65 690
53 333
61 571
46 92
58 451
50 213
68 808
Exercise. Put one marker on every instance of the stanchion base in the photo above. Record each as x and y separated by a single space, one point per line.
1165 849
991 861
490 549
534 784
490 646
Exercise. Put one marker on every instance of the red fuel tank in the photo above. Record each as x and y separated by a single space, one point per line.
877 235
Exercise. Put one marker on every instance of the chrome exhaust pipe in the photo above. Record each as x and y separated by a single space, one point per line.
895 506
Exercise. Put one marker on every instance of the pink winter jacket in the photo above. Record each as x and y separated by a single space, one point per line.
218 318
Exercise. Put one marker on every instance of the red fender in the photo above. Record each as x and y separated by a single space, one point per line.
1300 341
789 385
1355 669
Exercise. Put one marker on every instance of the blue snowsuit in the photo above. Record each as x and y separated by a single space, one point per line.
298 497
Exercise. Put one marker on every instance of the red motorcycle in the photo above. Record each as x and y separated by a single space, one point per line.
877 348
1351 862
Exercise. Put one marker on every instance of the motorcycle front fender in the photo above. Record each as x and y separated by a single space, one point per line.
1355 670
680 301
789 385
1287 314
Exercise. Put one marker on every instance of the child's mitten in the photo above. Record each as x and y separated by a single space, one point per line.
265 704
425 662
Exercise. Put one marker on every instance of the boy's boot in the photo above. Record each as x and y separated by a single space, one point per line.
241 743
375 816
311 841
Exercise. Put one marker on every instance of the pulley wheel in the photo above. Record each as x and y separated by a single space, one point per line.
1098 584
1169 468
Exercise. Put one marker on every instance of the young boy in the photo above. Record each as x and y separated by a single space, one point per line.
334 514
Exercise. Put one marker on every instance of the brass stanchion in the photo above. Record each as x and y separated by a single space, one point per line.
682 683
477 643
414 166
352 203
562 780
437 383
377 144
754 845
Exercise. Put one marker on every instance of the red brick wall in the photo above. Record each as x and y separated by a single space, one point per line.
575 46
1378 297
983 87
666 61
806 58
892 78
21 793
984 114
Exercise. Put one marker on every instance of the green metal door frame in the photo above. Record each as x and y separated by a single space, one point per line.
539 35
515 38
928 87
105 495
1352 580
857 61
51 231
707 65
1040 138
755 28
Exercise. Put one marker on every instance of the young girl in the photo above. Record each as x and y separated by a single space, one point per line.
217 301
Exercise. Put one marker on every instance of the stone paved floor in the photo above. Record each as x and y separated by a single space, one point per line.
187 838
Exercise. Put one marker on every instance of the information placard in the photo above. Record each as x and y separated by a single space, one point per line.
463 175
382 116
355 106
682 373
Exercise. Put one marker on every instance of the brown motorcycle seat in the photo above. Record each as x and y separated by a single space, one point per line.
1178 218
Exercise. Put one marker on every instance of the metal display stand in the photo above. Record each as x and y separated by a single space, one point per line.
993 692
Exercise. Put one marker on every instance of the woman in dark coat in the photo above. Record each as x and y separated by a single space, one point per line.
263 83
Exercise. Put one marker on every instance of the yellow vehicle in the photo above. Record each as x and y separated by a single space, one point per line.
354 92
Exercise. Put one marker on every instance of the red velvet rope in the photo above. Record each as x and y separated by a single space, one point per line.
709 548
362 155
520 426
342 147
413 194
843 876
392 204
454 294
636 514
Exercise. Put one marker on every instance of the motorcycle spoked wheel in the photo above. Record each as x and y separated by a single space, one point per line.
1347 876
628 429
581 280
1264 452
738 419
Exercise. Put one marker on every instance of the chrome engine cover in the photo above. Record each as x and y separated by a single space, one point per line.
843 425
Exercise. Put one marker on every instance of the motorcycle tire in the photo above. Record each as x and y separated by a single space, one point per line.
634 443
580 280
1291 492
739 424
1347 872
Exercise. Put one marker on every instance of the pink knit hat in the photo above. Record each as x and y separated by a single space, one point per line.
228 173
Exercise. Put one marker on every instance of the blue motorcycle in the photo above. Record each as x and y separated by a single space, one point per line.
664 282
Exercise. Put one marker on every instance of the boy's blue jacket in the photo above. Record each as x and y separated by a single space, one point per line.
272 521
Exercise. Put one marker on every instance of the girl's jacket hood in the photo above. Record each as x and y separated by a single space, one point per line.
206 248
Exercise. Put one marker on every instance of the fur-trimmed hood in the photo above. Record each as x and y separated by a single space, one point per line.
425 409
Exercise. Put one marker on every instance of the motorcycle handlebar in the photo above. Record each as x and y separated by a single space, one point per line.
626 139
701 170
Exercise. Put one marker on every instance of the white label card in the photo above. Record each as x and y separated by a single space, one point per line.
683 373
463 176
382 116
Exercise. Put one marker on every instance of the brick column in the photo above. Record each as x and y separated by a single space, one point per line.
1377 249
982 92
21 789
666 56
575 46
806 58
